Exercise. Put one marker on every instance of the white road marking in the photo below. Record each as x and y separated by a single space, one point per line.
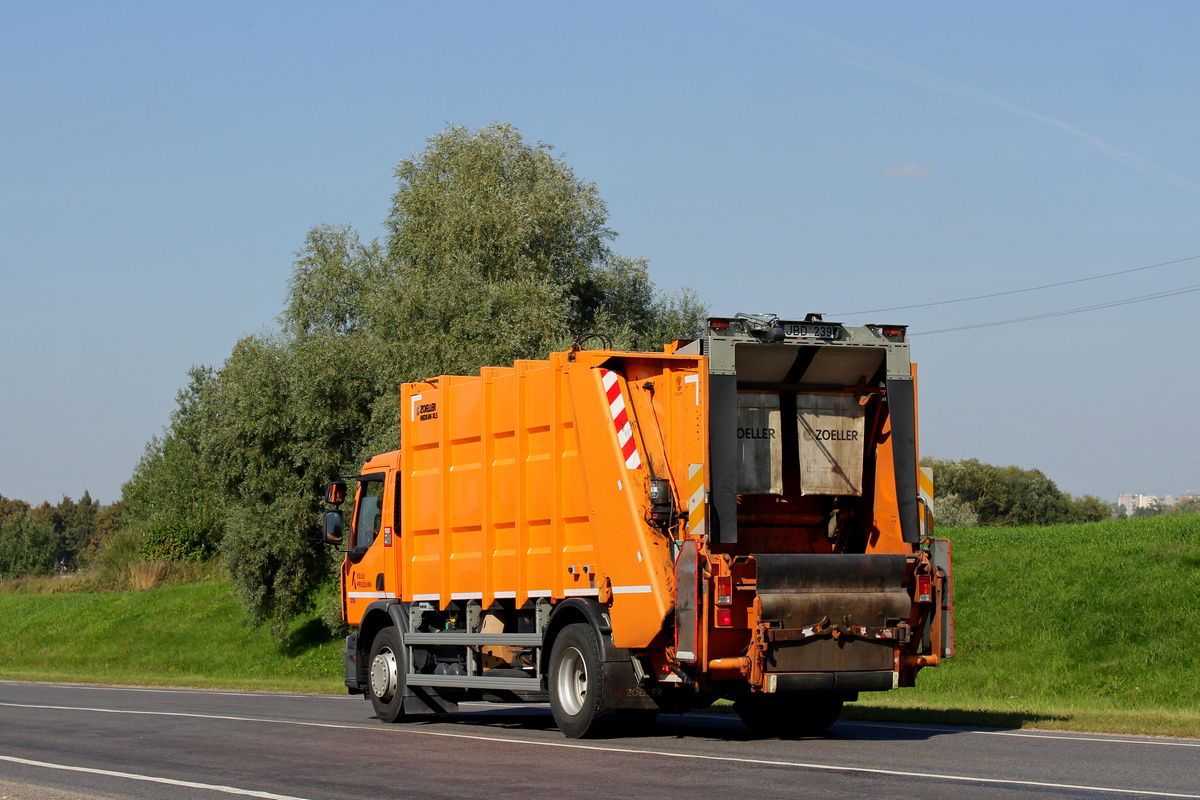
133 776
161 690
1029 734
410 731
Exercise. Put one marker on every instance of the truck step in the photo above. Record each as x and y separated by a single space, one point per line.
462 637
473 682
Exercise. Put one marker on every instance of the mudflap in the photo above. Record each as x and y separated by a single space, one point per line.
798 591
622 689
687 616
353 683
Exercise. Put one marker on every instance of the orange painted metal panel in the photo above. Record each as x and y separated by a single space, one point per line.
513 484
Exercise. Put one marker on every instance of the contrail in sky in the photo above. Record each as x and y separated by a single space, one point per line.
845 52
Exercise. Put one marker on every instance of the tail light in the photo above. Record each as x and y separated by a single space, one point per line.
924 589
724 617
724 590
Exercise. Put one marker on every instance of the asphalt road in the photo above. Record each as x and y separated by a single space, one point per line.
67 741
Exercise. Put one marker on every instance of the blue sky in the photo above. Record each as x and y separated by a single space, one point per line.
161 162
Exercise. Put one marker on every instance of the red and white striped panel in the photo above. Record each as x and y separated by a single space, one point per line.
616 406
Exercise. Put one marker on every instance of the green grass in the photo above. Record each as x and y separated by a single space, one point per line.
1092 626
1084 627
192 634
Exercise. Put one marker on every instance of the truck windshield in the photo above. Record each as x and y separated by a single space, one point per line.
369 515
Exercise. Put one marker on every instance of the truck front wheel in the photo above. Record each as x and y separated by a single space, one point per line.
385 669
577 683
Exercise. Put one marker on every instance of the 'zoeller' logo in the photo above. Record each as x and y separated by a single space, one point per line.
756 433
830 435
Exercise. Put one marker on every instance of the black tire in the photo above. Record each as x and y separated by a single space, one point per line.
788 716
385 675
577 683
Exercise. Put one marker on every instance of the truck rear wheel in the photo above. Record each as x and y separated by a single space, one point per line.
788 716
385 671
577 683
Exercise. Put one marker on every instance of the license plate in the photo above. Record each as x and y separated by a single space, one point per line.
811 330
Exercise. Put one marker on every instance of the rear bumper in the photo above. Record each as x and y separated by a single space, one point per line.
830 682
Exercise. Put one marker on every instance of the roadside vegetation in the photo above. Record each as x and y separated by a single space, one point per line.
1080 626
971 493
1084 626
193 634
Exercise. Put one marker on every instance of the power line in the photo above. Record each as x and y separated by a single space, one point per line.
1017 291
1080 310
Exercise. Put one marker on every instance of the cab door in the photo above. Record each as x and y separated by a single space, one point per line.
368 572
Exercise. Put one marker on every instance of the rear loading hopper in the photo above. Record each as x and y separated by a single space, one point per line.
816 520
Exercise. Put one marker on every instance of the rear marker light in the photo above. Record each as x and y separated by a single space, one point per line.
724 590
924 589
724 617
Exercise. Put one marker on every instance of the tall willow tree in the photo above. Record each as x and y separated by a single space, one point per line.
495 251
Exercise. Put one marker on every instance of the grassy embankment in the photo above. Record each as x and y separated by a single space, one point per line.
1089 627
185 634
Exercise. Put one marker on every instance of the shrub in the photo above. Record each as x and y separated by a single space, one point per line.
951 511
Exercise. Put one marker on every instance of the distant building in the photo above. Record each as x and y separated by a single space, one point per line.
1132 502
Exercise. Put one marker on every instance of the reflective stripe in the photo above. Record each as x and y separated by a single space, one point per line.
620 416
631 590
372 595
925 494
696 504
581 593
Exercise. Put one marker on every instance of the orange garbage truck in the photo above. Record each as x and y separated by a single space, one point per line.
619 533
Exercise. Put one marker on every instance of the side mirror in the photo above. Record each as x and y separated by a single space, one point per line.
335 492
333 527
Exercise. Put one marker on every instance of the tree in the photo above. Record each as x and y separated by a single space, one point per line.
1089 508
29 545
1189 506
1002 495
1153 510
286 415
951 511
331 276
495 251
11 508
46 539
172 491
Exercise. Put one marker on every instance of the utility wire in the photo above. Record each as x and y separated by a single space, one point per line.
1127 301
1016 291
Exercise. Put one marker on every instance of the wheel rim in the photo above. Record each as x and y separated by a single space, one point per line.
383 674
572 681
